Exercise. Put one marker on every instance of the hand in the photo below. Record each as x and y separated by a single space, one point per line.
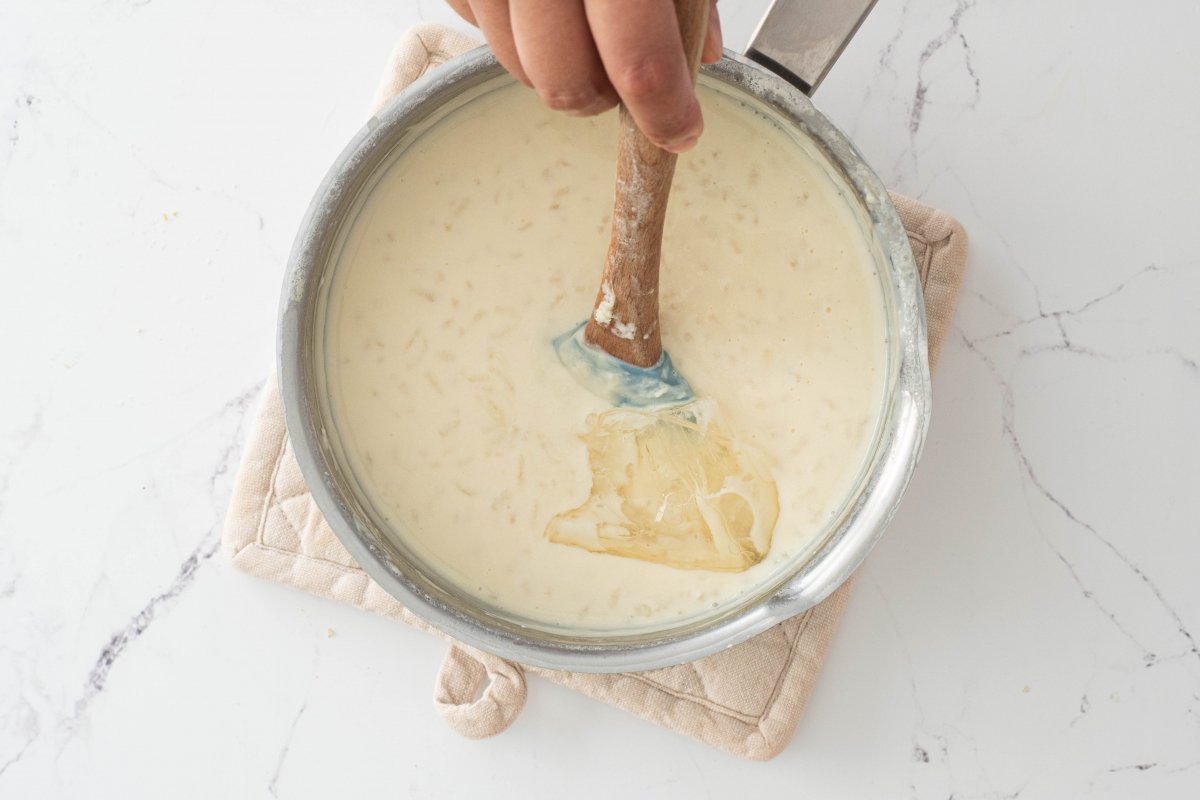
585 56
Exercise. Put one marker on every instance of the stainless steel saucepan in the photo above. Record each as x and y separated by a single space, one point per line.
794 47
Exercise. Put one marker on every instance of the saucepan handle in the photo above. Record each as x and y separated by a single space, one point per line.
800 39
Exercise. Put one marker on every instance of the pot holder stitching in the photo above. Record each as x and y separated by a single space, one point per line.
743 716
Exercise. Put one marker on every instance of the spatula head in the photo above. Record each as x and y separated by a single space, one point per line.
617 382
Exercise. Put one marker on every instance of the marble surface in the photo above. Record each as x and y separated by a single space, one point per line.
1028 628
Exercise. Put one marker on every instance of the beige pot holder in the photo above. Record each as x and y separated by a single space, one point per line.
746 700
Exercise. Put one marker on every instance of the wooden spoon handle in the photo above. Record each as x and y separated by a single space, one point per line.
624 321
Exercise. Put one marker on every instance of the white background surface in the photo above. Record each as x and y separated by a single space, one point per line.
1027 628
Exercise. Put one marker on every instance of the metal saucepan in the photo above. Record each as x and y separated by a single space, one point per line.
793 49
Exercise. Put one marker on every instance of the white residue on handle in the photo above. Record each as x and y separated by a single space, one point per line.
623 330
604 309
604 315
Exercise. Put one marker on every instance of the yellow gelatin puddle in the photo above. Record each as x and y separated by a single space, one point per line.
674 488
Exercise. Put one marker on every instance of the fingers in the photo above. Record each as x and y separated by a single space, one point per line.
713 43
463 9
556 50
581 55
492 17
640 47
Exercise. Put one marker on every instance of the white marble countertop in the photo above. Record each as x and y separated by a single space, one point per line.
1028 627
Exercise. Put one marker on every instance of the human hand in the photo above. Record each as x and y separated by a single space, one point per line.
585 56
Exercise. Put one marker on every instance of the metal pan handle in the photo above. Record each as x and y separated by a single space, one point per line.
800 39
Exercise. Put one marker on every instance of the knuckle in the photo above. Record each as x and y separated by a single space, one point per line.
645 78
578 99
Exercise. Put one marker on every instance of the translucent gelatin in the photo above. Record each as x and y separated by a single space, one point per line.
672 487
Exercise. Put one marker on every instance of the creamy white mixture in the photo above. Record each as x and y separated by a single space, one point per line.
485 240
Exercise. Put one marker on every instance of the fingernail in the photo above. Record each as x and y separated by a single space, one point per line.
683 144
687 141
601 104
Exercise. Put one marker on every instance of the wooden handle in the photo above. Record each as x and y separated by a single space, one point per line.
624 321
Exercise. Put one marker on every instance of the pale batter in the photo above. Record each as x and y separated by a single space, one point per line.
484 241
